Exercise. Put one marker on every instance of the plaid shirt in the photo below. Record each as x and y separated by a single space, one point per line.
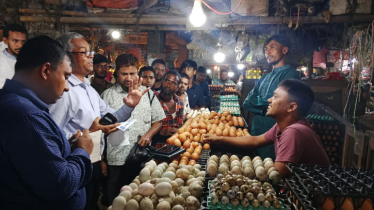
177 122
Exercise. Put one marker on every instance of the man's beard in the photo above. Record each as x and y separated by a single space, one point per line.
13 52
165 93
100 77
275 62
126 89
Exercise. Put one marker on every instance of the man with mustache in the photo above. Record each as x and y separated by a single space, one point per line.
173 107
100 68
81 107
159 66
14 36
181 92
148 115
276 48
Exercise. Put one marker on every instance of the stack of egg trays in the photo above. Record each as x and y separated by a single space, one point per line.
320 182
229 206
226 98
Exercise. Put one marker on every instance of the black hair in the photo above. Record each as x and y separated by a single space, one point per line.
300 93
174 73
184 75
158 61
14 28
201 69
223 70
146 68
281 39
40 50
98 58
125 60
188 63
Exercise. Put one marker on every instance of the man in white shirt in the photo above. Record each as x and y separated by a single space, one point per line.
14 36
148 115
82 107
185 80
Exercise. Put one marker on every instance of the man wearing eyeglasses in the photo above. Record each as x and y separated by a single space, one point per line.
100 68
173 107
82 107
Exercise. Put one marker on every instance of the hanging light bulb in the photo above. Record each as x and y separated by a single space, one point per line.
116 34
197 16
240 66
230 74
219 57
208 71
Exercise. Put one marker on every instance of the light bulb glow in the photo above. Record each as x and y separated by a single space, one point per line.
240 66
303 68
208 71
219 57
197 16
230 74
116 34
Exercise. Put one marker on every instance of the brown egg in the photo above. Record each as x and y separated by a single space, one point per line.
235 122
195 144
216 121
218 132
226 113
219 115
190 150
206 146
196 138
222 118
225 132
231 123
209 127
213 113
221 126
228 118
177 142
188 129
232 134
202 131
182 137
194 125
198 151
187 144
181 130
216 117
212 131
170 141
195 156
187 154
194 131
239 133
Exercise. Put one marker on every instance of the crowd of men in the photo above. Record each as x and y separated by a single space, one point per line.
47 100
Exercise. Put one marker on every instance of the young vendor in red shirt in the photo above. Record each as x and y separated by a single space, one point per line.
293 138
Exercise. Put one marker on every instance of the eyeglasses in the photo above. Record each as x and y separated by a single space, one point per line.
88 53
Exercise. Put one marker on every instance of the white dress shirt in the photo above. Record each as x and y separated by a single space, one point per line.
7 62
80 106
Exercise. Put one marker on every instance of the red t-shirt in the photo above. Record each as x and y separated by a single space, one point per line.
298 144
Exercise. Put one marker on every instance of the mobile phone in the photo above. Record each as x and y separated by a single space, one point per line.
108 119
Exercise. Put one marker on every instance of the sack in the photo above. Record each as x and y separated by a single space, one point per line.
140 155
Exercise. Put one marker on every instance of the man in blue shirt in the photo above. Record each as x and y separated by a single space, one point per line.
200 80
39 167
194 91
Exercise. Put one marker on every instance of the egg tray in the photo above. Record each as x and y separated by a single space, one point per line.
335 181
229 206
301 199
298 201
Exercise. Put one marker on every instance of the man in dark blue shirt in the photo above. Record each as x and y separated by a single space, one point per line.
200 80
40 168
194 91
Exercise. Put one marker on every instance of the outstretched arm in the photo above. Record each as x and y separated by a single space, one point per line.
246 141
